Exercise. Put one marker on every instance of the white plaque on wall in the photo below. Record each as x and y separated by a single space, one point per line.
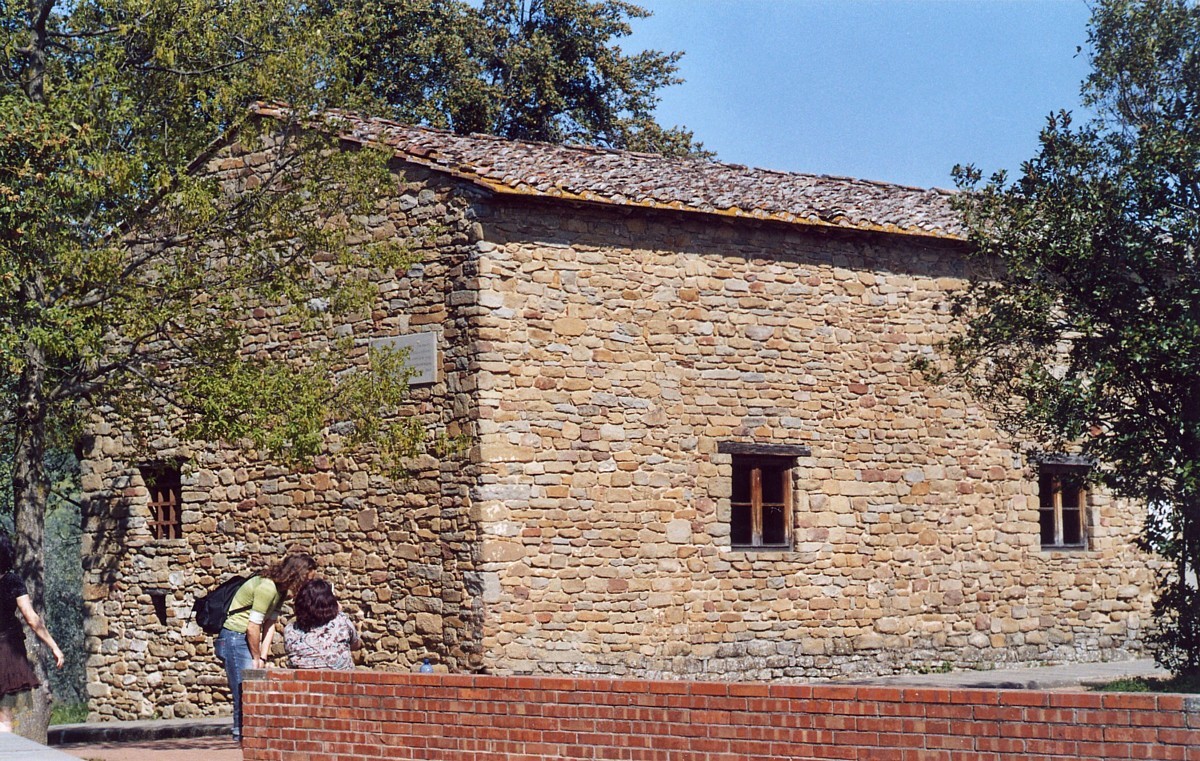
422 356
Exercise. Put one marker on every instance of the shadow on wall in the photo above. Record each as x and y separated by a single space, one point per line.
64 602
102 543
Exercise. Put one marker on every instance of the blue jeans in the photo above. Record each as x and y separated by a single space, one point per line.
233 651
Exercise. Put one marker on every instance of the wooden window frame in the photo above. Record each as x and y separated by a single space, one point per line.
755 465
1065 483
164 499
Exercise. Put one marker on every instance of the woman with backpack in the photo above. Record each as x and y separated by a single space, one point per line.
245 640
17 678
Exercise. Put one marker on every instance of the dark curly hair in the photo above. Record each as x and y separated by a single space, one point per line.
8 553
291 573
315 605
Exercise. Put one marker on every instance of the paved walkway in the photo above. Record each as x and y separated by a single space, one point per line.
181 749
208 739
163 740
1041 678
15 748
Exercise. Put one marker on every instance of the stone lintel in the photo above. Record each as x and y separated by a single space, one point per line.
763 449
1064 461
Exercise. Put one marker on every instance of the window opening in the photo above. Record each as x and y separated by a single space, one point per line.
1062 508
761 502
166 510
158 599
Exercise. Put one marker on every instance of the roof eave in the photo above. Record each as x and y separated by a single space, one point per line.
468 175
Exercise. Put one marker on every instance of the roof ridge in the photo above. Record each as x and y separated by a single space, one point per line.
631 178
592 148
589 148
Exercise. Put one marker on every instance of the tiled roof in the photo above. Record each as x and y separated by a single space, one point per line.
624 178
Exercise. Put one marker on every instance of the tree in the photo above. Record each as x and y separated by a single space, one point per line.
126 266
125 272
544 70
1085 332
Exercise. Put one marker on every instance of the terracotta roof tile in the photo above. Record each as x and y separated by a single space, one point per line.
626 178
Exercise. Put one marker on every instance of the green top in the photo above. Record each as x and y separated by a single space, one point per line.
264 599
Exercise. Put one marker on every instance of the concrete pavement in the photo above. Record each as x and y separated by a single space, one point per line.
141 731
17 748
163 740
179 749
1059 677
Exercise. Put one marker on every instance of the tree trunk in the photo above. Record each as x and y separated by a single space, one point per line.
35 53
30 485
30 489
1187 556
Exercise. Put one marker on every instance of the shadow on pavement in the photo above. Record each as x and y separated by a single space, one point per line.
175 749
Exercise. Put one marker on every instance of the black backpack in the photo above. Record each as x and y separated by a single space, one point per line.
211 610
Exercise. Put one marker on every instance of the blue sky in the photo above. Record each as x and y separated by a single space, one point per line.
893 90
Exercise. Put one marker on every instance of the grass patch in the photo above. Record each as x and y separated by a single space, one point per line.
70 713
1189 684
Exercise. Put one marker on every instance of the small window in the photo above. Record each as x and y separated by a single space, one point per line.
761 502
1062 510
166 513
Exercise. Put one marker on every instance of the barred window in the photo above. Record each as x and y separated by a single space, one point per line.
166 509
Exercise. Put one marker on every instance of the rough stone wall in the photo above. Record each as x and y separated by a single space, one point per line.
597 358
399 553
625 347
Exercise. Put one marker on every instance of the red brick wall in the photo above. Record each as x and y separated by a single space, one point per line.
321 716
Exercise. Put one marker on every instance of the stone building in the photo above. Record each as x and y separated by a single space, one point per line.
698 447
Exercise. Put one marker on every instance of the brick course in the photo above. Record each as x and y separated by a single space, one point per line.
329 716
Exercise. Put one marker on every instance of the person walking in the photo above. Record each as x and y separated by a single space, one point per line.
322 635
17 677
245 639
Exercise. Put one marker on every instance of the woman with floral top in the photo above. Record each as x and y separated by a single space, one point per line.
322 636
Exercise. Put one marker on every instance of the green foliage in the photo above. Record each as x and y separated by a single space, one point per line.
130 269
68 713
108 237
545 70
1129 684
128 273
1086 331
286 411
1180 684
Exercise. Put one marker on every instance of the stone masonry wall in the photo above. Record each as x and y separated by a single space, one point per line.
399 553
596 358
624 347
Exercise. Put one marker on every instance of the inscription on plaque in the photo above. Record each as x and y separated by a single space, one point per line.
422 356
